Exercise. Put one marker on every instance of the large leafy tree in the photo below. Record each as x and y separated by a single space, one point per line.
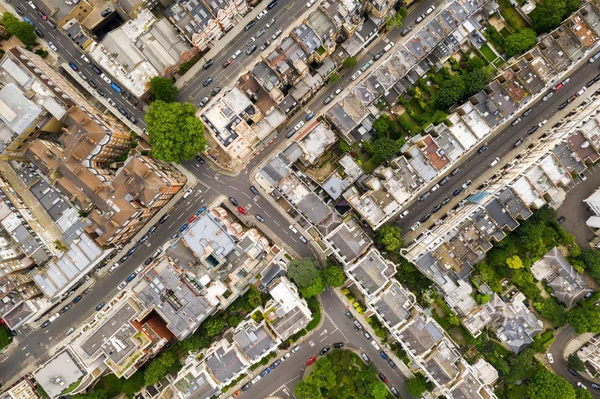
22 30
575 363
514 262
305 390
333 276
520 42
417 385
174 131
385 148
582 393
303 272
213 326
314 289
585 319
591 259
163 89
475 81
520 365
548 14
159 367
552 311
449 93
254 298
390 237
547 385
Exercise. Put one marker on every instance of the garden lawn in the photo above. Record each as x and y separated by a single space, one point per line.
512 16
487 53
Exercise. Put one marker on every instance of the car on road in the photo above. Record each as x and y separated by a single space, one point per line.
548 96
533 129
424 196
309 116
122 285
558 87
348 313
378 55
264 45
73 66
357 325
383 378
367 335
260 33
356 75
329 99
542 123
236 54
580 92
101 92
249 25
284 357
85 59
518 142
582 177
65 309
70 331
45 324
148 261
242 210
207 81
375 345
163 218
272 4
415 226
457 191
208 64
575 373
52 46
420 18
233 201
299 126
338 345
550 358
182 228
77 299
295 348
430 10
311 361
310 3
254 190
215 91
259 218
19 11
113 268
277 33
116 87
527 112
365 357
203 102
494 162
251 49
270 23
246 386
406 30
563 104
226 64
395 392
111 102
261 14
275 364
265 372
516 122
581 385
392 364
122 110
561 220
130 277
467 184
482 149
39 33
383 355
436 208
595 386
338 90
99 306
324 350
250 41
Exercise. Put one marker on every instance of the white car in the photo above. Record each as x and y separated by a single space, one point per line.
375 345
284 357
548 96
52 46
403 214
157 252
122 285
256 379
580 385
261 14
86 59
310 3
270 23
299 126
295 348
430 10
293 229
580 92
356 75
106 78
339 90
550 358
111 102
113 268
415 226
236 54
139 269
542 123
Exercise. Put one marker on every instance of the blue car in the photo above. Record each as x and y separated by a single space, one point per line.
131 251
200 211
310 116
383 355
116 87
185 226
274 365
264 373
73 66
27 20
130 277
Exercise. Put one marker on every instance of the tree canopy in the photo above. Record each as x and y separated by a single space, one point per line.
417 385
585 319
551 310
547 385
174 131
385 148
520 42
349 62
334 276
548 14
303 272
21 29
582 393
591 259
575 363
163 89
449 92
514 262
390 237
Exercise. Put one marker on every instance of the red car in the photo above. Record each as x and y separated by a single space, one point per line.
311 361
226 64
383 378
558 87
242 210
190 220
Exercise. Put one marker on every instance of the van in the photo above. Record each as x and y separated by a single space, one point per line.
494 162
54 317
388 47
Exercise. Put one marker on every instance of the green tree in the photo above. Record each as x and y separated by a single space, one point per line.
390 237
591 259
254 298
383 125
159 367
474 63
547 15
378 390
552 311
305 390
385 148
475 81
585 319
349 62
449 93
133 384
393 22
213 326
575 363
482 298
334 276
163 89
22 30
94 394
582 393
333 78
520 365
174 131
322 374
547 385
514 262
520 42
343 146
315 288
303 272
417 385
530 234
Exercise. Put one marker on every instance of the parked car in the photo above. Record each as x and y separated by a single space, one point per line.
207 81
415 226
375 345
277 33
99 306
518 142
233 201
251 49
533 129
242 210
482 149
425 218
328 99
215 91
550 358
246 386
383 355
45 324
561 220
249 25
338 345
311 361
295 348
208 64
106 12
457 191
392 364
516 122
406 30
548 96
365 358
348 313
163 218
383 378
357 325
77 299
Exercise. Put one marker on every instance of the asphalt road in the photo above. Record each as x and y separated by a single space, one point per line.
335 328
499 146
560 365
69 52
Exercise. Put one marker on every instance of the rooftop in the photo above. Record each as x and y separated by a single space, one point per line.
224 364
58 373
393 305
420 335
349 239
254 341
370 272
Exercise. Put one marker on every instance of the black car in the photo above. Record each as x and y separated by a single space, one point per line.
77 299
348 314
199 159
527 112
444 181
106 12
122 110
532 130
324 350
482 149
260 218
132 119
92 83
518 143
378 55
454 172
424 196
591 82
575 373
249 25
19 11
66 308
131 251
233 201
247 386
561 220
39 33
563 104
148 261
254 190
338 345
457 191
367 335
215 91
163 218
207 81
436 208
251 49
45 324
95 69
152 230
101 92
99 306
208 64
123 259
425 218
